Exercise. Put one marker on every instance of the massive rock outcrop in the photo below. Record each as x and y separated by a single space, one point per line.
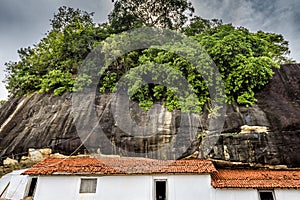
42 120
278 108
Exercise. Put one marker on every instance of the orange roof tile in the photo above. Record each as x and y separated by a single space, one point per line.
115 166
263 179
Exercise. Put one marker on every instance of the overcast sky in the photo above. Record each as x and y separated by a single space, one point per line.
24 22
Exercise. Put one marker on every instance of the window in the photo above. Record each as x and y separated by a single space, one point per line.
88 185
160 187
32 187
266 195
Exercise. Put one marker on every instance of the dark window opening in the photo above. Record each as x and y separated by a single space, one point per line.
265 195
32 187
160 189
88 185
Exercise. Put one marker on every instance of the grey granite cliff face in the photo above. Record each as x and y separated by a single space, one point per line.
41 120
278 108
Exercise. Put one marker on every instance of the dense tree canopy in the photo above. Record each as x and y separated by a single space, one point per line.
71 39
172 14
68 17
244 59
199 25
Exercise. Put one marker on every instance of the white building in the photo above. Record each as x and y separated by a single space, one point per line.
247 184
13 185
146 179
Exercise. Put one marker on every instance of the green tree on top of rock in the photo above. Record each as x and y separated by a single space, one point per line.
71 39
172 14
245 60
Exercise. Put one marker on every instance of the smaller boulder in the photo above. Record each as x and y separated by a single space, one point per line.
8 162
35 155
254 129
45 152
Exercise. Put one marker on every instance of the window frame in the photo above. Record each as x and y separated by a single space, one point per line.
94 191
270 191
29 186
160 179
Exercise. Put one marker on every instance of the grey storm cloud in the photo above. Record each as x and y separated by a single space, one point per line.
254 13
24 22
279 16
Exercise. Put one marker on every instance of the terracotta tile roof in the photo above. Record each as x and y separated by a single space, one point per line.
115 166
264 179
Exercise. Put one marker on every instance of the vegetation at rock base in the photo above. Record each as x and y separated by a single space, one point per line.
2 102
244 59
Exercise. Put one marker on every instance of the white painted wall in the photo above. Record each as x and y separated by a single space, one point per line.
17 187
124 187
108 187
179 187
56 187
235 194
191 187
14 184
252 194
287 194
